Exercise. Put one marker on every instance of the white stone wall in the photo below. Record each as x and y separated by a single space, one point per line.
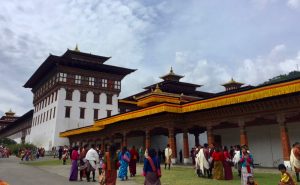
264 142
47 134
42 133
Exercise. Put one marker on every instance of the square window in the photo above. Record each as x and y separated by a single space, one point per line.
82 112
91 81
77 79
67 112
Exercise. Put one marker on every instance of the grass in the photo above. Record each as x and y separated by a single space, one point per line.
187 176
52 162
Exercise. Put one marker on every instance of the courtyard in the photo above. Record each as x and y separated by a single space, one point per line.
51 171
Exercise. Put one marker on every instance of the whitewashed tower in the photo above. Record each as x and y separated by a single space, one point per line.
71 91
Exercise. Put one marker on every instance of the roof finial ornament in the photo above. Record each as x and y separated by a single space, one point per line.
157 89
76 48
171 71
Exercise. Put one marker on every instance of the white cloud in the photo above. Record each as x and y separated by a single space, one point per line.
251 71
293 4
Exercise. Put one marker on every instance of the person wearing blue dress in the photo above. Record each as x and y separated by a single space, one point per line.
124 159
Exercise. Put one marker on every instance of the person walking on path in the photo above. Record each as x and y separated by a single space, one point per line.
151 169
295 159
110 166
141 154
227 165
218 158
92 158
247 165
82 162
168 156
133 160
124 159
74 167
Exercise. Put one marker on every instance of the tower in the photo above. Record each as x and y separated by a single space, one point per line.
71 91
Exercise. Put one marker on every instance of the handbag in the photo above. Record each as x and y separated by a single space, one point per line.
102 178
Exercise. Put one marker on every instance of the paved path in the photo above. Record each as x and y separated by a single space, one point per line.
15 173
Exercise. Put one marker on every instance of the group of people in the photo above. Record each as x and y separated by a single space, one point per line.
217 162
4 152
89 160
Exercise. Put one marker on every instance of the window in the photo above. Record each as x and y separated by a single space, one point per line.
82 110
52 96
68 111
96 98
108 113
83 96
50 116
109 99
48 100
54 112
96 114
117 85
56 95
63 77
47 115
77 79
69 94
104 82
91 81
44 116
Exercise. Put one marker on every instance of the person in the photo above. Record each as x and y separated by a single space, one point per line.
227 165
133 160
295 159
202 160
82 162
218 158
141 154
236 159
168 156
151 169
124 159
101 155
160 154
211 150
92 158
247 165
193 156
251 181
65 155
180 156
74 167
110 165
60 152
286 178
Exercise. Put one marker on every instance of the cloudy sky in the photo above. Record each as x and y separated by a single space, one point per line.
207 41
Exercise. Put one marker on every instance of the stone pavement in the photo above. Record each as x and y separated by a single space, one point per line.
15 173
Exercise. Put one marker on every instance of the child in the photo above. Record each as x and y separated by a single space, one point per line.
251 181
286 178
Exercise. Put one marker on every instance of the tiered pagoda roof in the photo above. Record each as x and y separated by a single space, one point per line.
78 59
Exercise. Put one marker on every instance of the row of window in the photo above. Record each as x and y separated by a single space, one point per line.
78 79
69 96
47 101
43 117
88 80
82 113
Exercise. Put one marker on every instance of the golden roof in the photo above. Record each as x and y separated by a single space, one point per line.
232 82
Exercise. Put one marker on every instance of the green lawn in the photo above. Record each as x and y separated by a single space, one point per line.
187 176
52 162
